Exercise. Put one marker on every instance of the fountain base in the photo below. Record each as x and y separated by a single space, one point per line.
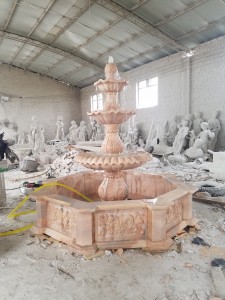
158 209
113 187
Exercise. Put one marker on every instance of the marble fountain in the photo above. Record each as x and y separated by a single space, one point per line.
129 209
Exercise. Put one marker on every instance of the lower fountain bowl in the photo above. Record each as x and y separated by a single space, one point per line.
158 208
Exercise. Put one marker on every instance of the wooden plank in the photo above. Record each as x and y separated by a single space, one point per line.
211 200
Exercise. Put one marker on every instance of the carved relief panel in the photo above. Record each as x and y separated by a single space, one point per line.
174 214
61 219
121 225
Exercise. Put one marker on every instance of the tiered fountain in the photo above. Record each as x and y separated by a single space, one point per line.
149 209
113 159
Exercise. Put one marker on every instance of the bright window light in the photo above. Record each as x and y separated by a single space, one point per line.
97 102
147 93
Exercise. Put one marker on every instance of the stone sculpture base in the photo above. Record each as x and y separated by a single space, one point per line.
160 207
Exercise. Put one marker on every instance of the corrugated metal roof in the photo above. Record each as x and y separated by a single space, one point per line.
70 40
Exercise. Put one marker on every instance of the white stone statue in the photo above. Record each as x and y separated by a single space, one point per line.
195 151
92 130
206 136
151 136
60 129
181 139
82 132
198 120
214 125
72 136
172 130
36 135
189 119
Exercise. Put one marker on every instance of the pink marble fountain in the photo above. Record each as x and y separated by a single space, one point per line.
129 209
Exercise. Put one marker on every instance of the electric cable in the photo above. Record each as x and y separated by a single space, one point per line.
13 214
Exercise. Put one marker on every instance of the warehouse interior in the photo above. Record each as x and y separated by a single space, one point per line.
170 57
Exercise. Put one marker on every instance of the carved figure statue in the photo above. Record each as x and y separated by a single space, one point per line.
92 130
214 125
60 129
172 132
195 151
36 135
151 136
198 120
181 141
206 136
82 132
189 119
72 136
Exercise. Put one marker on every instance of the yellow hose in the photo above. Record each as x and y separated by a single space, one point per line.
13 213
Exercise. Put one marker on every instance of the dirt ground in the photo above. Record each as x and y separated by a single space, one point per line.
39 268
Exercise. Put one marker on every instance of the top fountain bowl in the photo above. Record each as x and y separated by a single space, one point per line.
110 86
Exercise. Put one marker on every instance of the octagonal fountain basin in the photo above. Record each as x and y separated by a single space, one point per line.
158 207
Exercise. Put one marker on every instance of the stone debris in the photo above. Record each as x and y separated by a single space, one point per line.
119 252
218 262
184 172
199 241
65 165
108 252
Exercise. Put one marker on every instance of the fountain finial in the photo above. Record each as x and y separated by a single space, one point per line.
111 69
110 60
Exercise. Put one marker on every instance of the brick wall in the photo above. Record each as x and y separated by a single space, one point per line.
31 94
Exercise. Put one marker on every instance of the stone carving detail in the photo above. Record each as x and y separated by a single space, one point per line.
61 219
124 225
174 213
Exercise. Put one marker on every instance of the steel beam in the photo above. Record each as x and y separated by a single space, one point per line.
12 11
41 17
44 46
14 56
121 11
68 24
200 29
141 2
180 12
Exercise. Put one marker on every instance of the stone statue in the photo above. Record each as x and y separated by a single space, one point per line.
214 125
189 119
206 136
60 129
195 151
36 135
72 136
172 131
82 132
92 130
198 120
151 136
181 139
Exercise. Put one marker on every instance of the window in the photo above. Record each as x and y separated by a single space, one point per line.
147 93
96 102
